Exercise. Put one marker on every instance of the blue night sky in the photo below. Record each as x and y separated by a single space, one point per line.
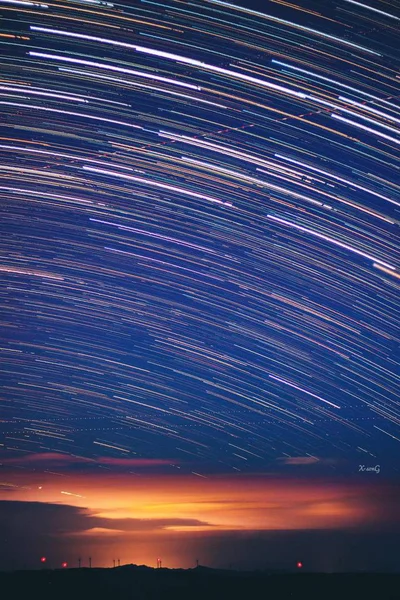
200 266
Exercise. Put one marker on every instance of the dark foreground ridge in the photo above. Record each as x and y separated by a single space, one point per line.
132 582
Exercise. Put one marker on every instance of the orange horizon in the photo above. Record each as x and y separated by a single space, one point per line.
136 518
219 502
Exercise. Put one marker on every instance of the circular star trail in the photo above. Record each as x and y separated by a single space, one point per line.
200 237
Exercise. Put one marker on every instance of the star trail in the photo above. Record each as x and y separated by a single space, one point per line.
200 257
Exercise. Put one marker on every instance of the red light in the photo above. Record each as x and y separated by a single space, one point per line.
299 565
64 565
43 559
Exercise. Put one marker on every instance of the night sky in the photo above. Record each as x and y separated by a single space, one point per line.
200 274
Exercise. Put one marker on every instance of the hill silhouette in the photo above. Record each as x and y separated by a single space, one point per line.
132 582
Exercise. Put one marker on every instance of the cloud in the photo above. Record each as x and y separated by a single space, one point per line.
100 531
59 460
45 519
135 462
299 460
309 460
53 458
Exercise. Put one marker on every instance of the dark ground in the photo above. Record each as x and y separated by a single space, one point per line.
140 583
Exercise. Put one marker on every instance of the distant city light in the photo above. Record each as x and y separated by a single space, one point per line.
299 565
64 565
43 559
